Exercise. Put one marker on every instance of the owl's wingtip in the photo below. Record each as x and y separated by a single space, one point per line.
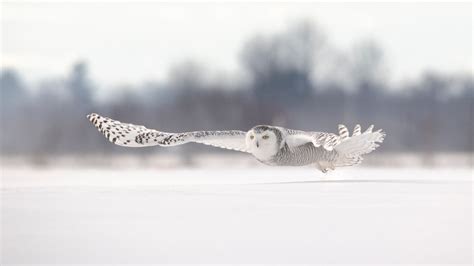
91 115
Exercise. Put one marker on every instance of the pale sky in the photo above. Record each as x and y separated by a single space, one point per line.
135 42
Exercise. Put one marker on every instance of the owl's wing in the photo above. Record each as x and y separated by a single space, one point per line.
129 135
328 141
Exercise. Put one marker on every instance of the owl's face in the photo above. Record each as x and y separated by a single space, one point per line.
262 141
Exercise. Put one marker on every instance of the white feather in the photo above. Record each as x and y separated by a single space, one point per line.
129 135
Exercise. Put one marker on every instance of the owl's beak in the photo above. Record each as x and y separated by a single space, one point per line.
257 144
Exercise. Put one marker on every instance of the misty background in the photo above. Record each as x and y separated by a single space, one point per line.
296 76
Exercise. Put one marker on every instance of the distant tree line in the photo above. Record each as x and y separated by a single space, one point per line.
294 78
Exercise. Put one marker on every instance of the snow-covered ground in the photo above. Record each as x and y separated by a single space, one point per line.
218 215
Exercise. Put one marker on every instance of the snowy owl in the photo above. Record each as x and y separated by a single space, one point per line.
270 145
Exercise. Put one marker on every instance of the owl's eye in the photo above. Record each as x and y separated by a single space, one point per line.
265 137
251 136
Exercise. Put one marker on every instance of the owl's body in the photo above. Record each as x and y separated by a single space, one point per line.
275 146
303 155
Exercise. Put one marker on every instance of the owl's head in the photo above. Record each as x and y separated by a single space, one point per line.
263 141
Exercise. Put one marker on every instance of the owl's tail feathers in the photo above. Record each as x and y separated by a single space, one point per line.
352 148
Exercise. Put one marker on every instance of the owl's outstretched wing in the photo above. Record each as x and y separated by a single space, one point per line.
295 138
129 135
330 141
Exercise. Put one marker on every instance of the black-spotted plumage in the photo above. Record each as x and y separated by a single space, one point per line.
290 148
130 135
302 155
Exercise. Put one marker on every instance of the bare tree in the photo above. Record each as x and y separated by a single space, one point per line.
281 67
